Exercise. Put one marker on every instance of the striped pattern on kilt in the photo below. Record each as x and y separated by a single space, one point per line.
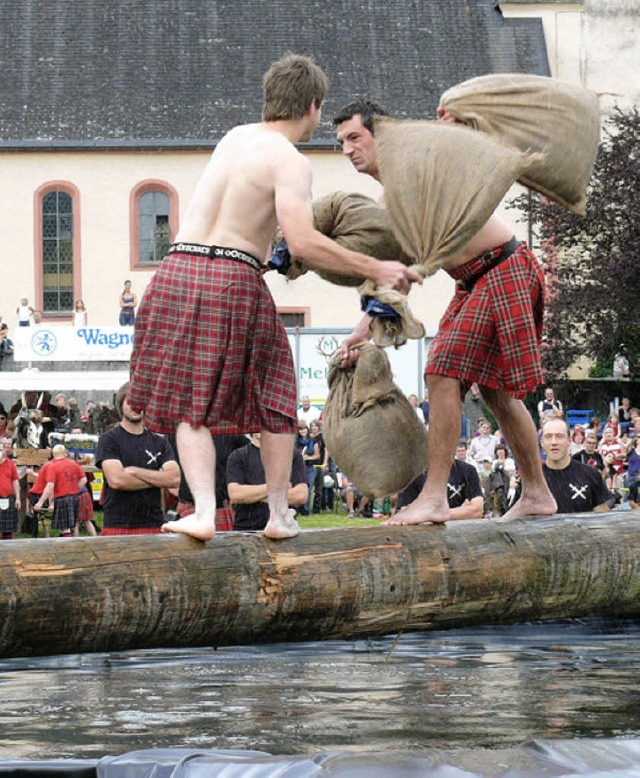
65 512
9 517
210 349
85 506
224 515
492 329
130 531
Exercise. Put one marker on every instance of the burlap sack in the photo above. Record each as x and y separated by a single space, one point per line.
535 113
370 429
442 183
392 331
358 223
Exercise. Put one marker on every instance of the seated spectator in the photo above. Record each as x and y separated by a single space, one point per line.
577 488
137 465
65 479
611 444
357 503
595 424
577 440
483 445
464 492
9 496
610 471
590 455
247 486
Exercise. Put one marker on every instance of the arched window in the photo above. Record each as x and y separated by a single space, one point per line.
57 248
154 222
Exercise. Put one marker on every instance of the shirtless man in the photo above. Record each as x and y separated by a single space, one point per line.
210 352
489 264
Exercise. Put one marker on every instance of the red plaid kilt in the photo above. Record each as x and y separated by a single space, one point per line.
130 531
224 515
210 349
85 508
492 329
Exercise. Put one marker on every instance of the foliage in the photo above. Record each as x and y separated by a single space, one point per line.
593 262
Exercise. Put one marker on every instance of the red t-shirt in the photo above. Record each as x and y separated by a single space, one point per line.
65 474
8 474
41 480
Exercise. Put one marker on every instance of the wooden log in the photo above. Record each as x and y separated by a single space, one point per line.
117 593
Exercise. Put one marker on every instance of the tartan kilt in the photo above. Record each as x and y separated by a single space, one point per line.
9 517
130 531
210 349
85 506
65 512
492 330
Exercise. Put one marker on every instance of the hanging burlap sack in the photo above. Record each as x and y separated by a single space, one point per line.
358 223
400 326
535 113
442 182
371 430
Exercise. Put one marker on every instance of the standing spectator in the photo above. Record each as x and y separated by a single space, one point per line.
483 446
137 464
577 488
413 402
310 451
472 409
315 434
590 454
624 410
3 422
79 314
633 461
307 412
25 312
246 483
9 496
577 440
128 302
548 404
621 362
65 479
6 344
425 403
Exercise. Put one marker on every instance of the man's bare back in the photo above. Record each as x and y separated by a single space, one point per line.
234 202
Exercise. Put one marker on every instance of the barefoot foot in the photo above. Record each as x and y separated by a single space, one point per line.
282 526
200 527
532 506
421 511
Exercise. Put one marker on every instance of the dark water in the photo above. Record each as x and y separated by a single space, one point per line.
474 688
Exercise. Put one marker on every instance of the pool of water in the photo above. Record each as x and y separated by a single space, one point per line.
480 688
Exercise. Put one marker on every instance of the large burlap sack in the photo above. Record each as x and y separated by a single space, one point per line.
536 113
370 429
442 183
358 223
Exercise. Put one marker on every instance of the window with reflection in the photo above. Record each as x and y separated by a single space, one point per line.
57 252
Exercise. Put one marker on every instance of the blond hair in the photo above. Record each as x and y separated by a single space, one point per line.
290 85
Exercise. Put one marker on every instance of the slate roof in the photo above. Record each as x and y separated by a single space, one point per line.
180 73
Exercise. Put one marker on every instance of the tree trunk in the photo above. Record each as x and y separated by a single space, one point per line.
117 593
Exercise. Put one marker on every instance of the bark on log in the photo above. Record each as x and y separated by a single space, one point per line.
103 594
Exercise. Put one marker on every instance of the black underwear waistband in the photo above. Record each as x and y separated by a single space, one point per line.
216 252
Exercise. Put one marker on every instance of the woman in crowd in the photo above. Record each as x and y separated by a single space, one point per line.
79 314
577 440
310 451
128 302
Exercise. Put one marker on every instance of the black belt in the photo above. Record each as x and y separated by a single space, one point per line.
216 252
488 262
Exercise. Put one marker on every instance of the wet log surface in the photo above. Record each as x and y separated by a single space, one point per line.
62 596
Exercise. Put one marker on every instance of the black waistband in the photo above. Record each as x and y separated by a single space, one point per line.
216 252
466 275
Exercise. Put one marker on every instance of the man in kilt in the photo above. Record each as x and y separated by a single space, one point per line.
490 335
210 353
9 496
65 479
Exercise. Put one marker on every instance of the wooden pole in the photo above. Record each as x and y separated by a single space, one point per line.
62 596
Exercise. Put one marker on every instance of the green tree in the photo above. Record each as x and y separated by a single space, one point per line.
593 262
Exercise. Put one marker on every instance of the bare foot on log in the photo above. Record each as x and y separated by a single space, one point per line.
200 527
527 507
421 511
282 526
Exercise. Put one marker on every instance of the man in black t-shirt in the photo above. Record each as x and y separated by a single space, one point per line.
589 454
137 464
247 487
576 487
464 493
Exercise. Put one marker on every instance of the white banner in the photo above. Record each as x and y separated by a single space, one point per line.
46 343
